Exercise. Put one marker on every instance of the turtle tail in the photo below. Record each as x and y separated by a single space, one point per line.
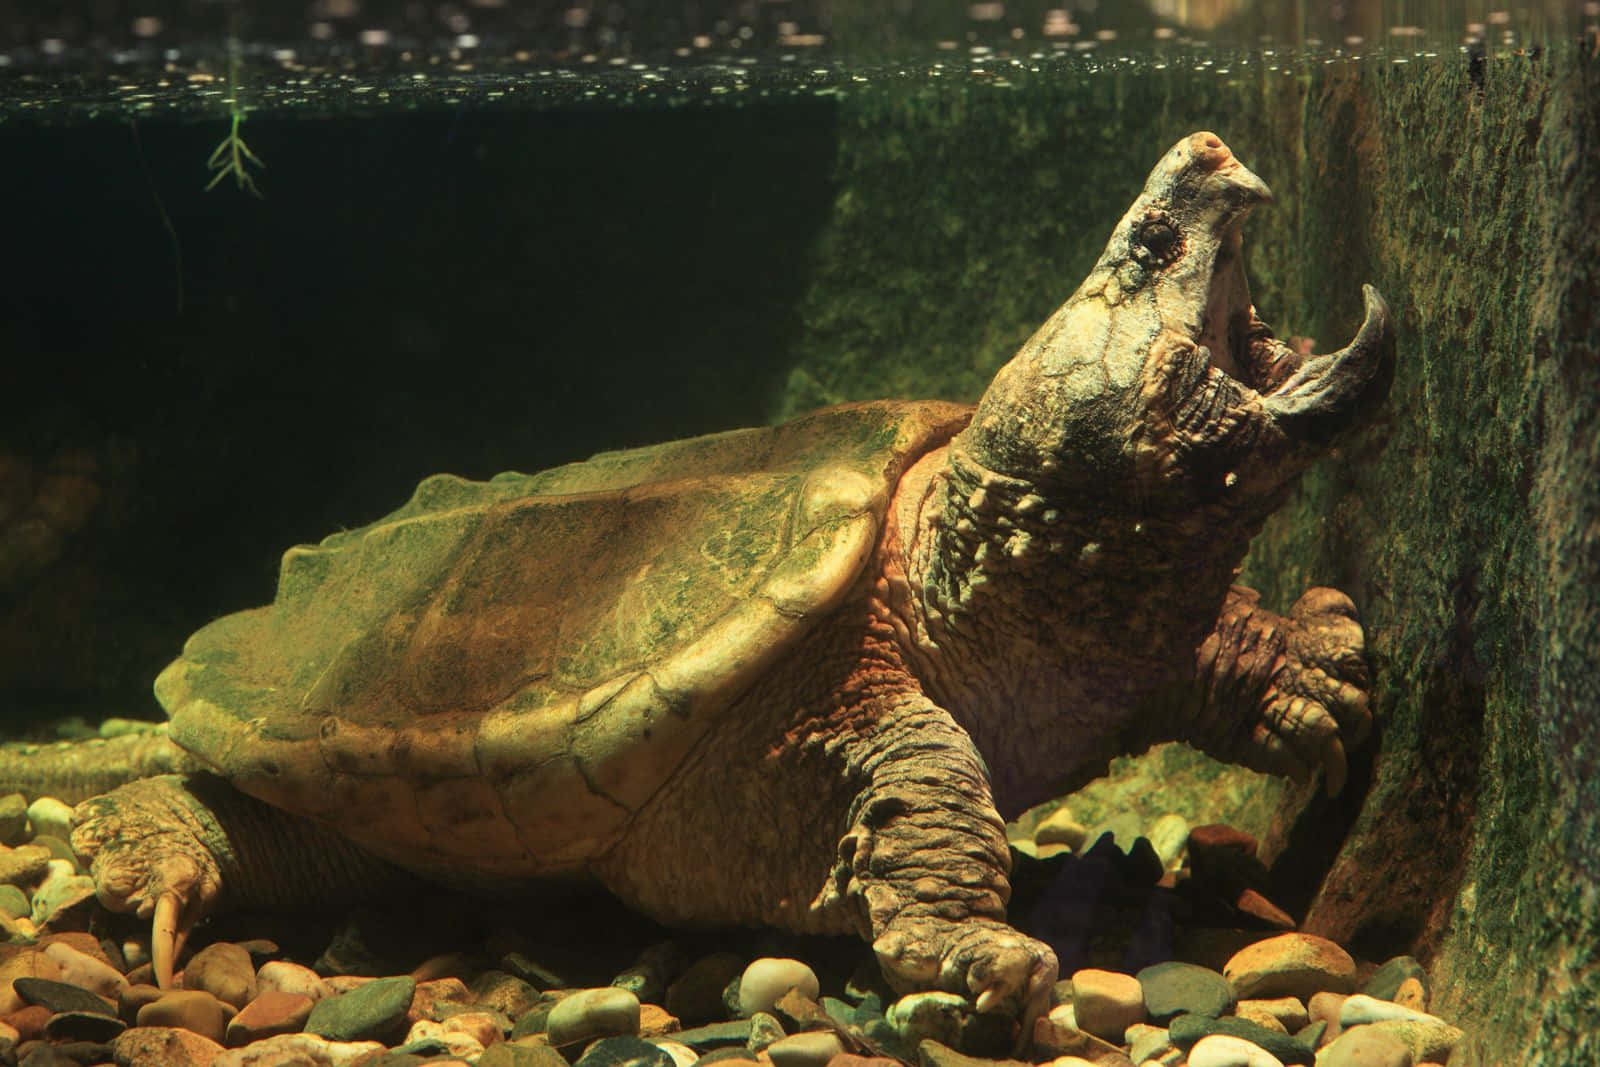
72 771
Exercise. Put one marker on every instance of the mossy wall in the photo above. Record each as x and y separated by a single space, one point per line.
1464 521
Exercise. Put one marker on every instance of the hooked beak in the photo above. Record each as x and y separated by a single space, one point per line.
1319 398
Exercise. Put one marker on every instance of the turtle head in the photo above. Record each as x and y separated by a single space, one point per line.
1155 383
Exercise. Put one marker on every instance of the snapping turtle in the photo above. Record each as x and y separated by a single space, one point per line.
795 675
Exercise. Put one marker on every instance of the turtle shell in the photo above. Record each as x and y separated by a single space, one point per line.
484 685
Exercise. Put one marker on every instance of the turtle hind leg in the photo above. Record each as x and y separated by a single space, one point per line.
176 847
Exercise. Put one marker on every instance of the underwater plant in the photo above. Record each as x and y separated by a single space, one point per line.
233 156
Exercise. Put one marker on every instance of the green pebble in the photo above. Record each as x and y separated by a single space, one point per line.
1386 980
371 1012
13 819
14 902
1185 1030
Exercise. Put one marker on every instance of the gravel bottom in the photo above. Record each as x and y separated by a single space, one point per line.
1171 954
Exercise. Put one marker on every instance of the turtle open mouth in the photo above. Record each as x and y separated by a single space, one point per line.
1294 385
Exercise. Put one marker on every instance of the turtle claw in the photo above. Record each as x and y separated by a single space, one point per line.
165 938
1335 769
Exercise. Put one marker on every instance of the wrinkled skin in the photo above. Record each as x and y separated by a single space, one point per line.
1051 587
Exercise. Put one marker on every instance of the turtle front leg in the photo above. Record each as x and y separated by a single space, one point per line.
174 848
924 866
1281 695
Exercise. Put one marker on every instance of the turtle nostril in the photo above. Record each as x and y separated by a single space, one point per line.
1209 151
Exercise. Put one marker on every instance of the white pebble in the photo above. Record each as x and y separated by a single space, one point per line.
281 976
297 1048
1361 1008
767 979
812 1049
682 1055
456 1042
50 816
593 1013
81 969
1224 1050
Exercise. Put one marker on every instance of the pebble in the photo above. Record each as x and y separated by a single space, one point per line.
1428 1038
648 976
270 1013
1254 904
59 850
716 1035
1169 835
1366 1046
766 980
812 1049
281 976
764 1030
62 889
505 992
506 1054
1361 1008
1106 1003
484 1027
426 1032
372 1012
1413 993
60 996
163 1046
300 1050
1385 982
1221 1050
1175 988
14 902
696 995
81 969
920 1017
1325 1006
30 1021
1288 1012
96 1027
1146 1042
594 1013
1257 1017
136 996
13 819
1291 965
654 1021
623 1051
1051 1038
50 818
23 865
188 1009
1186 1030
225 971
439 998
682 1055
1060 828
532 971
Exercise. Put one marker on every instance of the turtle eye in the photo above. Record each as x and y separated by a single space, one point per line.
1160 237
